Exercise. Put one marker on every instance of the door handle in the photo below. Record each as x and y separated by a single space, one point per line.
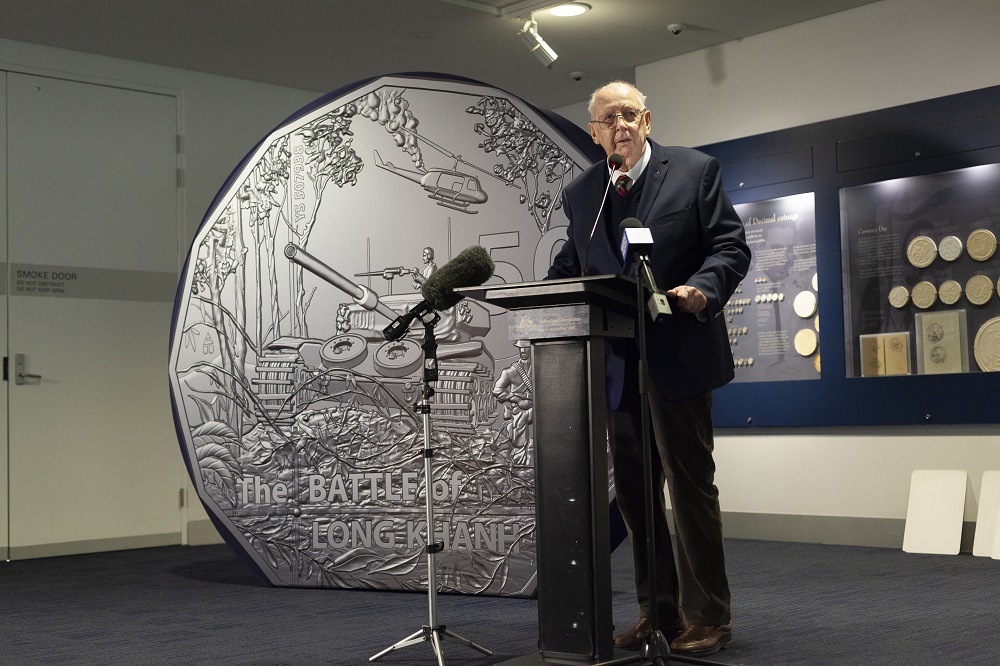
20 376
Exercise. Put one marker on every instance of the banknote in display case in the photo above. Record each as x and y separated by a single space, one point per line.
885 354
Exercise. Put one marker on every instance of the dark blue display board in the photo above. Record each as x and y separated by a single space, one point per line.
919 139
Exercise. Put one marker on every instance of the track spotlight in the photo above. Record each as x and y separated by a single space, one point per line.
536 44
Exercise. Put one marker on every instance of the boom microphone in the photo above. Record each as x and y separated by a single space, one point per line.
615 161
470 268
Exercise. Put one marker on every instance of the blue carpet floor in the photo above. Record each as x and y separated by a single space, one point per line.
792 604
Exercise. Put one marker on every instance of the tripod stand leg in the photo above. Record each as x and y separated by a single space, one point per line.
412 639
656 649
445 633
436 642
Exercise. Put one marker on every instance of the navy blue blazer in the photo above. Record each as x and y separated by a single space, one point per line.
698 240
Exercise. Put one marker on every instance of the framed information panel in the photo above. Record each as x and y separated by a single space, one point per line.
773 320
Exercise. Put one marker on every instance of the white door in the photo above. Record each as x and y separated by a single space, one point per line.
93 461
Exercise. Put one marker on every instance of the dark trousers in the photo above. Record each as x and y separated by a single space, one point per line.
696 590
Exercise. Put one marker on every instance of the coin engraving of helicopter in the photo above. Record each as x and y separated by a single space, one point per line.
450 188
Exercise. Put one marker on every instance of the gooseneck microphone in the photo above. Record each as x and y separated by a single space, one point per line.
614 162
470 268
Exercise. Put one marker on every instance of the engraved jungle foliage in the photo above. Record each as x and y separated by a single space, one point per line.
297 418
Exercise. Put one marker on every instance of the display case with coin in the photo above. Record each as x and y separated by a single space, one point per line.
920 257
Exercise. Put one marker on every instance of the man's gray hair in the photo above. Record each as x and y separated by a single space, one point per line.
593 96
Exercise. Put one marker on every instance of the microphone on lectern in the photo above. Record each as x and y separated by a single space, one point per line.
614 161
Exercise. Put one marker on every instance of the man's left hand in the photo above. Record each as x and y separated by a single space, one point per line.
689 299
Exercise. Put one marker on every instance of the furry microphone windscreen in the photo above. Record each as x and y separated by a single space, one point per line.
472 267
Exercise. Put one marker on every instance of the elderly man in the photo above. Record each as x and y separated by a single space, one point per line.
699 256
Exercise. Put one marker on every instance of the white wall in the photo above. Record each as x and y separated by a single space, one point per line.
857 473
873 57
220 119
877 56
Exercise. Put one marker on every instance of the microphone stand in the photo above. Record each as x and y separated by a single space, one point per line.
432 631
655 649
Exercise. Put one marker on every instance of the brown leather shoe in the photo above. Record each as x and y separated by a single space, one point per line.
699 640
633 637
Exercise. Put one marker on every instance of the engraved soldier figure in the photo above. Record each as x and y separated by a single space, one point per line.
513 389
429 268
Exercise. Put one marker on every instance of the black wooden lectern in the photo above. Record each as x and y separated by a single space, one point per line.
566 322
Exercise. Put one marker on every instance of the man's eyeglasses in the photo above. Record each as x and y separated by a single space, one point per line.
610 120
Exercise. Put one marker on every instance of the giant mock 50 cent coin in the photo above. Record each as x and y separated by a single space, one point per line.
979 289
921 251
981 244
986 348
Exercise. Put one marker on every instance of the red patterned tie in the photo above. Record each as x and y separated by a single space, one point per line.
622 184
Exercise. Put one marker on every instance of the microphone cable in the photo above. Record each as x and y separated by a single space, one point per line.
614 162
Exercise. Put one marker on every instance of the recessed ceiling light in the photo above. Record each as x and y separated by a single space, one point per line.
569 9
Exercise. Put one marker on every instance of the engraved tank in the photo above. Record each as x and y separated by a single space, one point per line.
358 360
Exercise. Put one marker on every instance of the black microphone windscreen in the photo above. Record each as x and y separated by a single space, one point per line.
616 161
629 223
470 268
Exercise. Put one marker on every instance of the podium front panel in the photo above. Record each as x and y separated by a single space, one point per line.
571 505
566 322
